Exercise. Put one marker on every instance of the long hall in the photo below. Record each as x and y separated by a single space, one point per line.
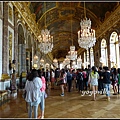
50 36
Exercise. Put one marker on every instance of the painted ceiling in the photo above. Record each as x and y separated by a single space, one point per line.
63 20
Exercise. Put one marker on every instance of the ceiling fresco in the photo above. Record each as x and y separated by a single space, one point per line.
63 21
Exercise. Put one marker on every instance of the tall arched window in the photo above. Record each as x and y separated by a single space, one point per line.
88 59
114 50
104 58
91 57
84 63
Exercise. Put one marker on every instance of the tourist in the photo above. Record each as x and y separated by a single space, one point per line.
33 93
93 79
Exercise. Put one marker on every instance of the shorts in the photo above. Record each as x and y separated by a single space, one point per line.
114 82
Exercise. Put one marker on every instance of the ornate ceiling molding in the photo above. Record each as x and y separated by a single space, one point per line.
113 19
29 18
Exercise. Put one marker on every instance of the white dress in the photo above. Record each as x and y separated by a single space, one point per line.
94 78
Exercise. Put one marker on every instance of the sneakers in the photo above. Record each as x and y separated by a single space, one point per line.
42 117
62 94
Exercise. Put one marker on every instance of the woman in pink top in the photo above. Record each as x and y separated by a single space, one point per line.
62 75
42 103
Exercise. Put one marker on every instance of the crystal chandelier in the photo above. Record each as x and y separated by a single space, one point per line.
55 62
41 61
36 57
45 39
72 53
67 61
35 64
86 36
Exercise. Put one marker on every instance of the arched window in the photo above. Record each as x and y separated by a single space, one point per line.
114 49
91 57
104 58
84 63
88 59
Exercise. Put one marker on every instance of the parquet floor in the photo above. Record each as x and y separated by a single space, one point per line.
72 105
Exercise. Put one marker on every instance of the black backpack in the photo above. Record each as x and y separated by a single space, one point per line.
69 76
80 76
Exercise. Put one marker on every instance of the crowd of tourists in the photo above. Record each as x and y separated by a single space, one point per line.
92 79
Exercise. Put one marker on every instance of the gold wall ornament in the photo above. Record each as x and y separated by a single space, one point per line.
22 7
23 22
109 22
34 16
28 3
19 16
10 45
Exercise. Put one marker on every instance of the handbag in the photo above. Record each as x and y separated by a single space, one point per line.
61 81
45 95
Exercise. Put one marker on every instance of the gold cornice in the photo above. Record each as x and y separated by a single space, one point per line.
113 19
24 11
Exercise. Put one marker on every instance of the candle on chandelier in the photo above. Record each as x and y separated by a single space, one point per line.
78 34
94 33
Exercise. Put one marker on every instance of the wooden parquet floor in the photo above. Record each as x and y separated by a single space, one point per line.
72 105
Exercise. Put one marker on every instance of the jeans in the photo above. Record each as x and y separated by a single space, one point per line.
80 85
35 108
107 89
42 103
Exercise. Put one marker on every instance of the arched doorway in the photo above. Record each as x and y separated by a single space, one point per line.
21 50
104 58
29 54
114 50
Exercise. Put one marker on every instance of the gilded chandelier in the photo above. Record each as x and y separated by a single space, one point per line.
86 36
72 53
55 62
45 39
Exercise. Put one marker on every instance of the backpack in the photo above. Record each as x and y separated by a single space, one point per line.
69 76
80 76
84 74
